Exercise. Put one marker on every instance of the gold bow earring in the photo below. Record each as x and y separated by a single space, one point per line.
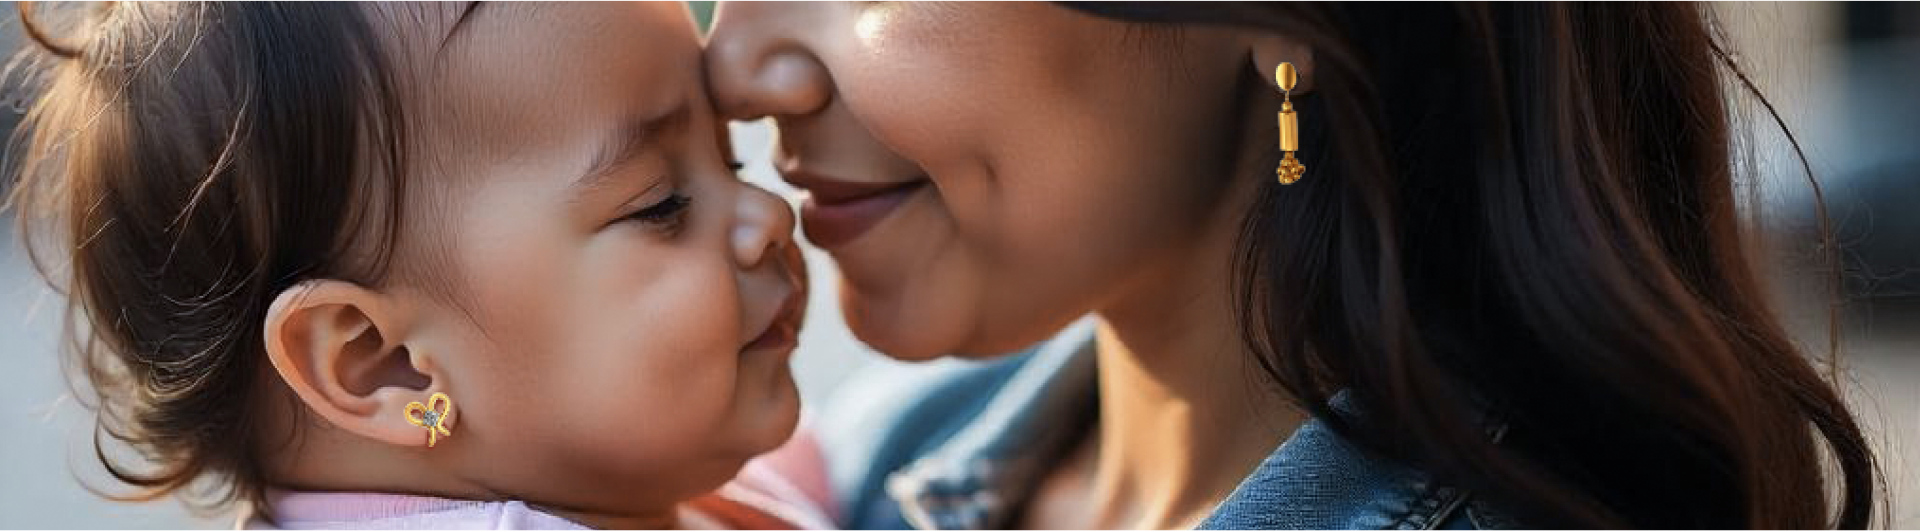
1290 168
435 416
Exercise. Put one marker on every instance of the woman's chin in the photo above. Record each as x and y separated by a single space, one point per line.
915 334
885 328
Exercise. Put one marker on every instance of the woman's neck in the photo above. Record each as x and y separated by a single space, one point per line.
1184 412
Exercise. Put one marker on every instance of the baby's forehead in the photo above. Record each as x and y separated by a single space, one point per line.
417 33
421 37
502 79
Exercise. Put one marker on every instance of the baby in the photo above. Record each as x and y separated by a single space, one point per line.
403 265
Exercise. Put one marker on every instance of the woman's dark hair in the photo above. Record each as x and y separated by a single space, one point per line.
184 163
1523 216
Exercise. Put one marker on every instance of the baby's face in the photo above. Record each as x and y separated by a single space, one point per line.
629 305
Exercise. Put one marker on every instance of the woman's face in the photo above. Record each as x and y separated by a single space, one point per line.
986 173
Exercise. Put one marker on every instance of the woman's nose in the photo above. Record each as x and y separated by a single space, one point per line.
762 227
758 64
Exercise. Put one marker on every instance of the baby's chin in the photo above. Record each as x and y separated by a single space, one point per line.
767 409
766 405
762 421
763 416
759 426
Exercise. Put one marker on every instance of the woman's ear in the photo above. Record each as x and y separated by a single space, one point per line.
339 347
1269 50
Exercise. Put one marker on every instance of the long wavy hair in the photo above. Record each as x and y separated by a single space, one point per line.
1524 217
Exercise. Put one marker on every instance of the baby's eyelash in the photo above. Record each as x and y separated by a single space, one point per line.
668 212
736 165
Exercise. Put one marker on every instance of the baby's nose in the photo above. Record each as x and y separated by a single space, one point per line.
762 227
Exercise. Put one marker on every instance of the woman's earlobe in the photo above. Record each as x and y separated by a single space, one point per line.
1268 51
338 347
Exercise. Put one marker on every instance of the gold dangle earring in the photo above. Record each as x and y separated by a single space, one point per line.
1290 168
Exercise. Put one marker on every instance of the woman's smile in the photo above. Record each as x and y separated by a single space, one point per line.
838 211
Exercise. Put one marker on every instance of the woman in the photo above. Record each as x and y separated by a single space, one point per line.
1511 286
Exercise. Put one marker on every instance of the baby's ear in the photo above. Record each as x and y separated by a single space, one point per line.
338 346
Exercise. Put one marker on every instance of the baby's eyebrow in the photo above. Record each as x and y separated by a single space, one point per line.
624 145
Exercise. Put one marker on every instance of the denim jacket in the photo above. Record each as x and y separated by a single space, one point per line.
961 446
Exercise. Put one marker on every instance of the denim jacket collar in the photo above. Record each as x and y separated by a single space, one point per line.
1315 479
1318 480
976 479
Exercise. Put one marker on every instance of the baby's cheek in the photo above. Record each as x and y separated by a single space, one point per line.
658 368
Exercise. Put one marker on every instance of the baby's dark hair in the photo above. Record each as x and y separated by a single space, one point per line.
181 165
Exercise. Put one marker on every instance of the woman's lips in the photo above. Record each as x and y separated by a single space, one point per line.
836 212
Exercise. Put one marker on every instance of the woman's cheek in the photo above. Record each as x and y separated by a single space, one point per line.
919 87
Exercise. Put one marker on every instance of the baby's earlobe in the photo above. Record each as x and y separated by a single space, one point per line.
436 416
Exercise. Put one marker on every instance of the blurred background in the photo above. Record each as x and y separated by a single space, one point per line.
1842 75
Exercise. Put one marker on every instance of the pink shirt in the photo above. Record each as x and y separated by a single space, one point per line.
785 489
